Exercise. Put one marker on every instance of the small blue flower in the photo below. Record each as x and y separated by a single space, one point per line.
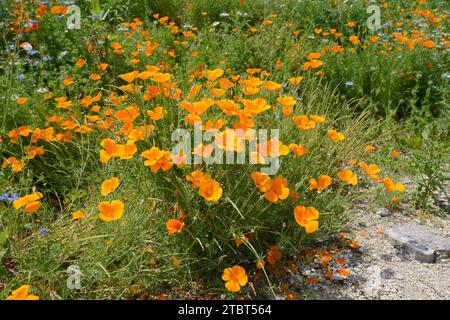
349 83
43 231
13 197
8 197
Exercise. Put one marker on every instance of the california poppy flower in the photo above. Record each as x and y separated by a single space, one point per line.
21 100
157 159
210 189
110 149
371 170
323 182
303 122
80 62
278 190
111 210
335 136
22 294
30 202
129 77
261 180
299 149
391 186
156 114
347 176
307 218
77 215
15 163
174 226
234 278
197 178
109 186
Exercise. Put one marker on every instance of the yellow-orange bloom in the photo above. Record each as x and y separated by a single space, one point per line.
129 77
371 170
335 136
261 180
174 226
157 159
78 215
210 189
22 294
323 182
298 149
278 190
30 202
21 100
347 176
109 186
391 186
156 114
111 210
307 218
197 178
234 278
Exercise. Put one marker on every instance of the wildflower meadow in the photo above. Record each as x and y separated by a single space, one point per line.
200 149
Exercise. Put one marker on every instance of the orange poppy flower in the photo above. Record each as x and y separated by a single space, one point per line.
32 206
129 77
307 218
261 180
111 210
303 122
157 159
371 170
296 80
335 136
197 178
323 182
22 294
343 272
210 189
127 115
213 75
391 186
95 77
278 190
161 77
28 200
156 114
110 150
234 278
354 40
21 100
347 176
109 186
80 62
77 215
298 149
16 164
395 153
102 66
174 226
